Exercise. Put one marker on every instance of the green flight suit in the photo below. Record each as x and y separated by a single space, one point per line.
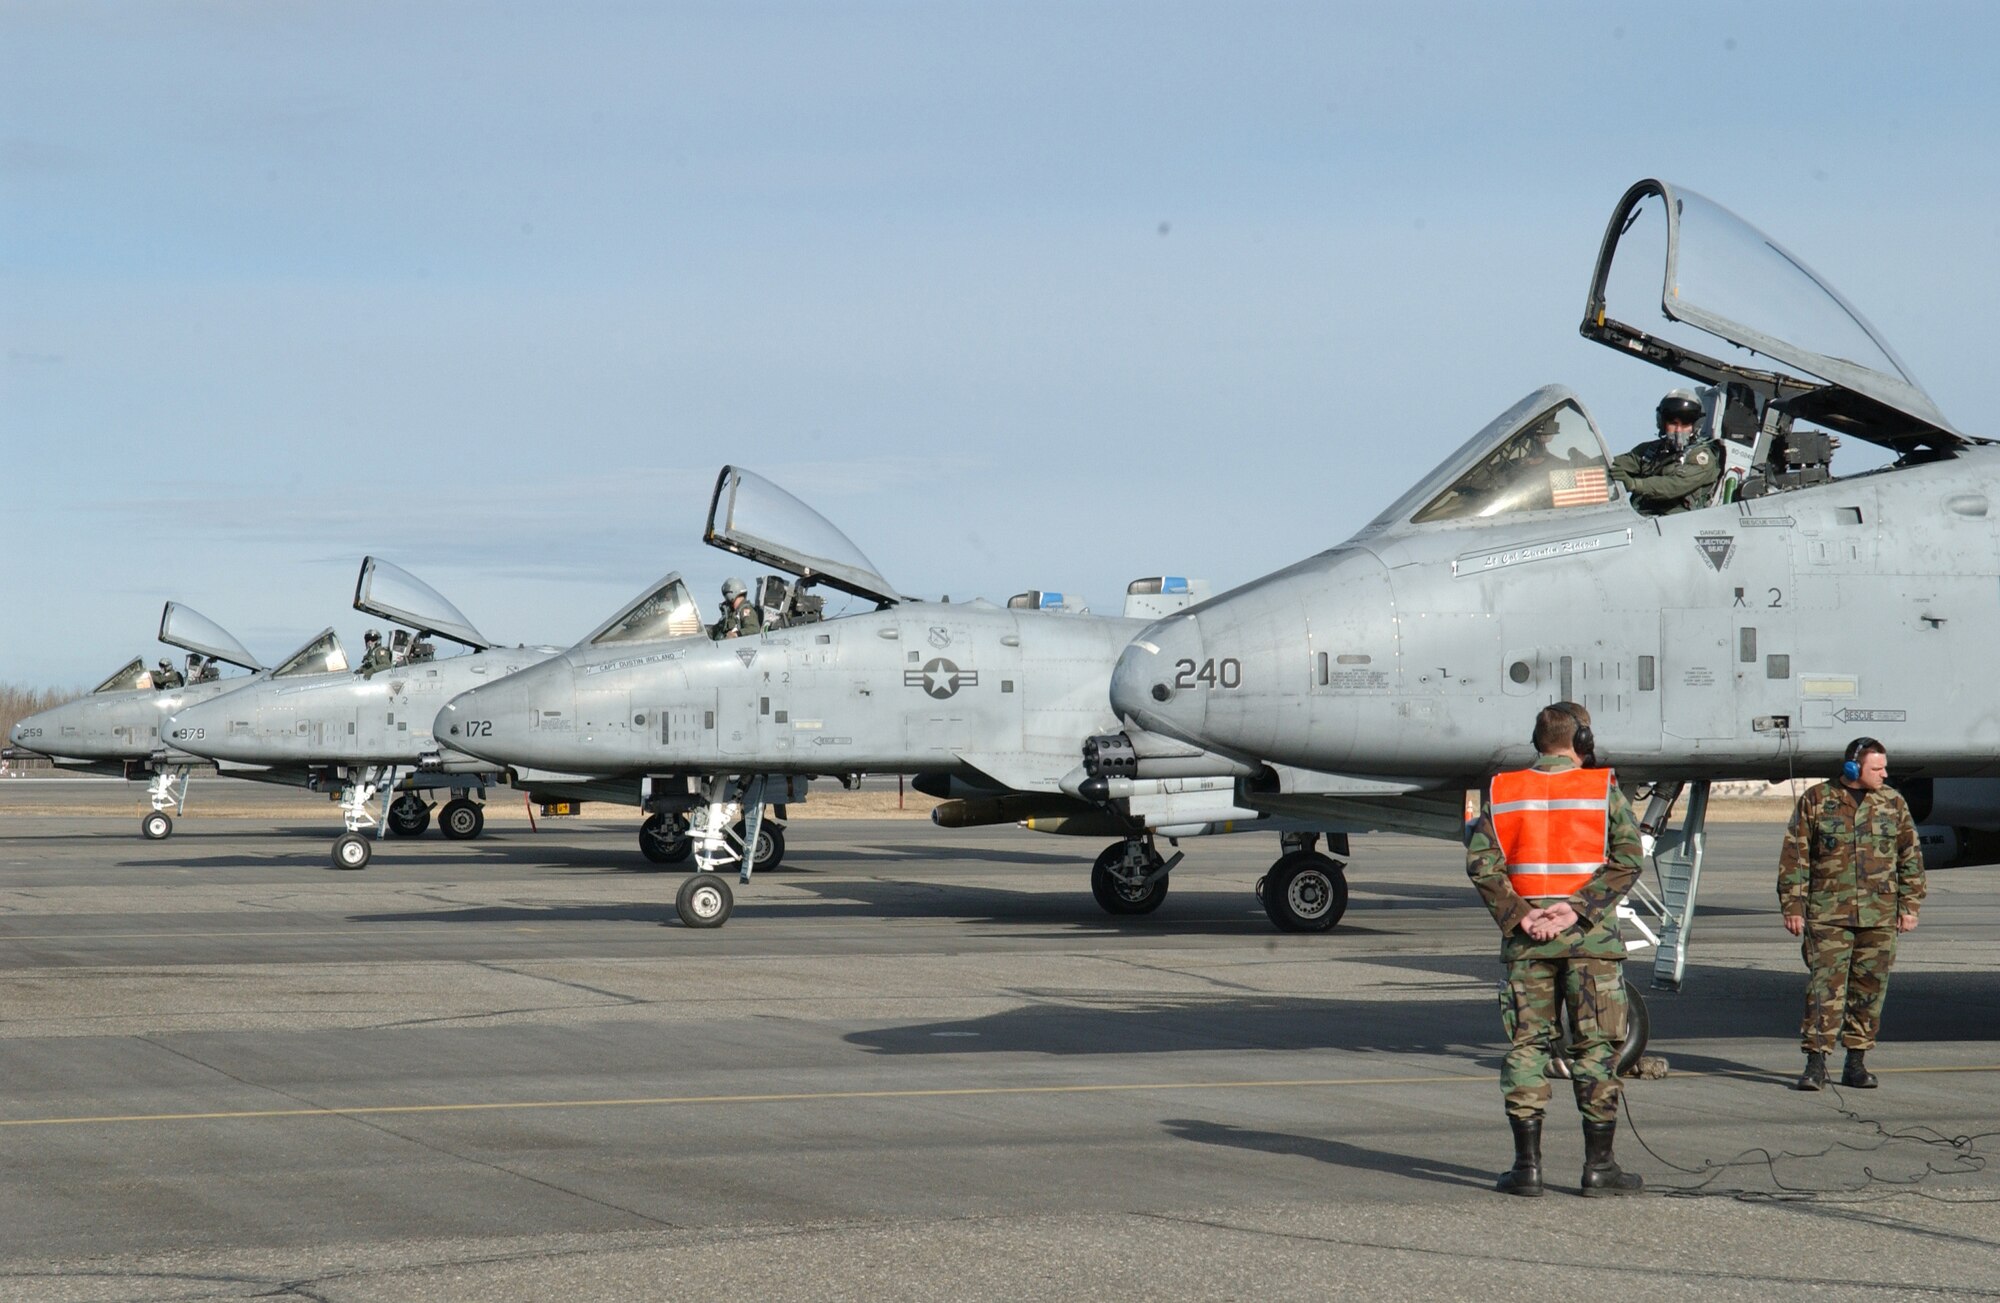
1663 480
1582 968
1849 867
737 622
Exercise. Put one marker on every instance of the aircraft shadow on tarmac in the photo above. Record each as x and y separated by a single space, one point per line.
1719 1004
1319 1149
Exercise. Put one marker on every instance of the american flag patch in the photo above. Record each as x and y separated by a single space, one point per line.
1575 488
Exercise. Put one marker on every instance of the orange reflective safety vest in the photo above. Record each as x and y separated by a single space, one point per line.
1554 827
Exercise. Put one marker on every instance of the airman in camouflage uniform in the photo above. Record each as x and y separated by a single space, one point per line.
1850 878
1669 474
1561 952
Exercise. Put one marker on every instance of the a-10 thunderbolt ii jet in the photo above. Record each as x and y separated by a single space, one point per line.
119 727
366 732
986 704
1750 638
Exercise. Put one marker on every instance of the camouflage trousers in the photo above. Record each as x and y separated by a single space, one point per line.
1531 1008
1849 982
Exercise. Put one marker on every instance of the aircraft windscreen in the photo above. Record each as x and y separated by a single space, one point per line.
665 611
1556 461
323 655
189 629
395 594
131 675
755 518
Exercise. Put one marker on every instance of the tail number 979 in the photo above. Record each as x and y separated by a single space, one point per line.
1211 673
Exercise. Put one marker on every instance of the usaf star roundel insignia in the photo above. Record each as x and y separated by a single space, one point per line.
940 678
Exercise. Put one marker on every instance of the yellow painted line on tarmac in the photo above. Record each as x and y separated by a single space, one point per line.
797 1097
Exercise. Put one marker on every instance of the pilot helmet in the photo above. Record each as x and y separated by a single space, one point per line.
372 637
733 587
1678 405
165 664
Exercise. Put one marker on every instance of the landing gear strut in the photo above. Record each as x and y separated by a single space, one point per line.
731 817
167 791
1130 877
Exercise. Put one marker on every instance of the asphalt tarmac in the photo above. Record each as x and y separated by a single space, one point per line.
915 1064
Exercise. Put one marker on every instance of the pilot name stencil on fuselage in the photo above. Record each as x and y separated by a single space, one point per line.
1486 562
630 661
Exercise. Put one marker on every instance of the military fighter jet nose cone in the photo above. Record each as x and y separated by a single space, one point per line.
1144 688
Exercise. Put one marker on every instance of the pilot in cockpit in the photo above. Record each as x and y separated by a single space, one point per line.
166 676
376 657
1675 472
739 618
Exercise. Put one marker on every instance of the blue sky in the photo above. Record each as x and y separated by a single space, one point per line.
1019 296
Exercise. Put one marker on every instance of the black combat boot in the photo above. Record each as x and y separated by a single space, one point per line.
1525 1177
1856 1072
1814 1077
1601 1173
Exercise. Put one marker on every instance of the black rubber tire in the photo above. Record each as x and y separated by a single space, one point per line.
1305 892
705 900
1638 1030
351 851
156 826
408 816
770 845
661 848
1115 896
461 820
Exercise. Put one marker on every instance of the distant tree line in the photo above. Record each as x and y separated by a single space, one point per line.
17 703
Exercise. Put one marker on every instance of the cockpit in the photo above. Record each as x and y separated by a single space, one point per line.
1555 460
131 676
1544 454
666 610
1695 273
1678 272
393 593
322 655
752 517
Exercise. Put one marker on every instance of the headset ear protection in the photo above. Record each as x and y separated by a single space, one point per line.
1850 766
1584 742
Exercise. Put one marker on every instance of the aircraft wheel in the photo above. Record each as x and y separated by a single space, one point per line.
408 815
663 839
156 826
770 846
704 900
351 851
1305 892
1116 879
461 820
1638 1030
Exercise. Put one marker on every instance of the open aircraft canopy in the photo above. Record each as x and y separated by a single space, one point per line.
665 610
130 675
394 593
1543 454
323 655
753 517
190 630
1726 278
